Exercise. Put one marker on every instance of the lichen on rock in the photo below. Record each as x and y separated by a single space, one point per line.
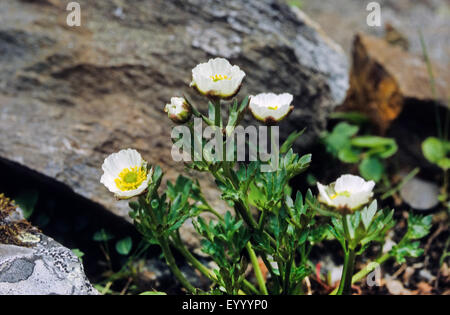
32 263
14 229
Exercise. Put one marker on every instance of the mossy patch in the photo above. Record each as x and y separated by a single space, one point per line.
12 233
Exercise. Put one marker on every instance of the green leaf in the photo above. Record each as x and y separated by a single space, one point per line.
368 213
78 253
134 205
152 293
211 111
27 200
353 117
389 151
311 179
123 247
433 149
350 221
401 252
291 140
379 146
371 141
339 138
371 168
299 273
349 155
346 129
418 226
444 163
102 236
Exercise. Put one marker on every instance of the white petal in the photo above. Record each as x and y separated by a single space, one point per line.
202 73
349 183
220 66
323 195
267 105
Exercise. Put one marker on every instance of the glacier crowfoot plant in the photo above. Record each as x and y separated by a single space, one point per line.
263 225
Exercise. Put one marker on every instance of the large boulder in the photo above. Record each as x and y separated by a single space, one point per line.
386 80
34 264
393 87
72 95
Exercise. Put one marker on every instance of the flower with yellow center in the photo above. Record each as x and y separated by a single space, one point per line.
217 78
125 174
271 108
348 192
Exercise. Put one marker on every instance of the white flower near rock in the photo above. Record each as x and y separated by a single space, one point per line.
178 110
217 78
348 192
271 108
126 174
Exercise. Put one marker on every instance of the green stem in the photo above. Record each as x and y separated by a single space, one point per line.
197 113
287 276
273 145
170 260
246 215
270 268
406 179
194 261
258 273
366 270
445 185
347 273
200 267
209 208
261 220
217 113
173 266
369 268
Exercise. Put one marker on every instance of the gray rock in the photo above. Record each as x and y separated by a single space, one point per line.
342 21
72 95
40 265
47 268
420 194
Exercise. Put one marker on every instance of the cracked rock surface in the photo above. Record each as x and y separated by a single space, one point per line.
47 268
69 96
39 266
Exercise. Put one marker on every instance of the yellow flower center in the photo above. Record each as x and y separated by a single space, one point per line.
219 77
344 193
273 107
131 178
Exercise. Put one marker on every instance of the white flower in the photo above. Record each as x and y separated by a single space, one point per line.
348 192
125 174
270 108
178 110
217 78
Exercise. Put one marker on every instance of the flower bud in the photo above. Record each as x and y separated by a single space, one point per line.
179 111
